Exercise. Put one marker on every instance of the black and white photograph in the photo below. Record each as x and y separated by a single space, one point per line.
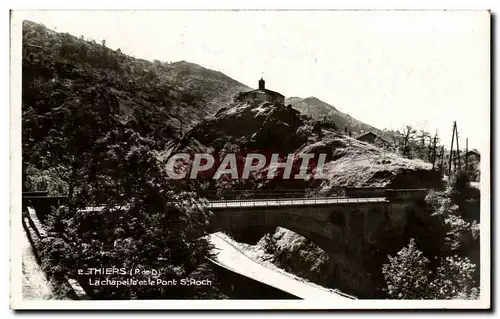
250 159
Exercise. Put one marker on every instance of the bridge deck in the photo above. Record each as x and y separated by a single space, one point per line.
275 202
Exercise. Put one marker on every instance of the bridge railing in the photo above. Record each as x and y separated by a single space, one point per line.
243 194
228 203
291 201
286 197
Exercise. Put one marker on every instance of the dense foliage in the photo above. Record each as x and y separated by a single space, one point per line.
145 237
63 74
452 242
93 121
408 276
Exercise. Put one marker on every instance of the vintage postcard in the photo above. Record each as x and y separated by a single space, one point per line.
250 159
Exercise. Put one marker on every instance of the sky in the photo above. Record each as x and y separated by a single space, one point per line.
385 68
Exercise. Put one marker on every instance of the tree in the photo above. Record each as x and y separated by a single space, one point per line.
406 275
407 138
318 129
395 136
453 279
146 222
441 161
78 142
421 146
472 168
451 240
68 139
432 150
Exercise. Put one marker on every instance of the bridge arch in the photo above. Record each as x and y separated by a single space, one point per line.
317 228
347 270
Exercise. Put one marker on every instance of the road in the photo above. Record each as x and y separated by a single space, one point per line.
35 285
274 202
233 258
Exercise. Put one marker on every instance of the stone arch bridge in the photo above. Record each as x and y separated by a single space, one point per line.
324 220
355 229
363 213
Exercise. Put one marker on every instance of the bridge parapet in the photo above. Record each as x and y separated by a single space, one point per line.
396 195
42 203
36 193
365 191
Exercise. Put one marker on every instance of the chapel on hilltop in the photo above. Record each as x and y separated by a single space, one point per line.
263 94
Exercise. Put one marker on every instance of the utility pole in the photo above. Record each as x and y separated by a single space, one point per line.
433 153
466 155
451 151
458 148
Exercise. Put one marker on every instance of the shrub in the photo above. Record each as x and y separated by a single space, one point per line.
409 276
45 180
406 275
451 274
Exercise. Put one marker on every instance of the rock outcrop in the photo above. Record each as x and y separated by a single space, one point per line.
267 128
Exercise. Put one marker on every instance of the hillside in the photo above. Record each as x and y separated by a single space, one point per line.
181 91
200 91
264 127
318 109
58 67
92 120
214 87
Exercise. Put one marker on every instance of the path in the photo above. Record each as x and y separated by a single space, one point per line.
234 259
35 285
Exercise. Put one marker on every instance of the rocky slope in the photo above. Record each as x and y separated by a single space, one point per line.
214 87
318 109
270 128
